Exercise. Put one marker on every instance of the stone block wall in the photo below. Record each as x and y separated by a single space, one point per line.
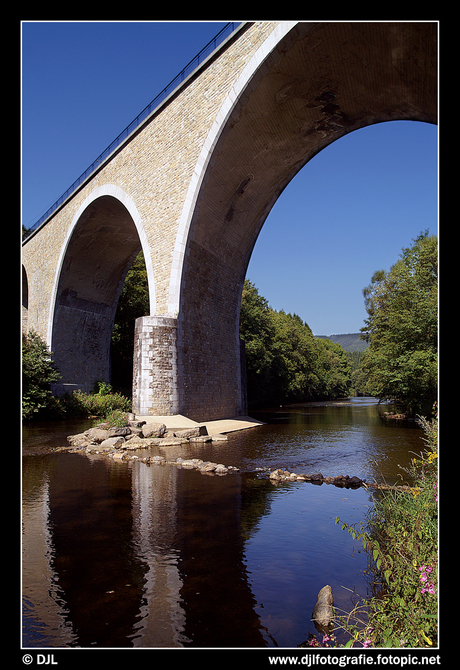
155 369
150 174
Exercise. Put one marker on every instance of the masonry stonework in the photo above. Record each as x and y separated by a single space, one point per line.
192 187
155 379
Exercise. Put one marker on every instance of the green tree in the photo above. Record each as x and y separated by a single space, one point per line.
402 328
38 372
333 370
133 303
257 331
285 362
294 358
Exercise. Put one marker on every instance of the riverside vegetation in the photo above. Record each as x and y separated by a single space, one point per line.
400 536
39 372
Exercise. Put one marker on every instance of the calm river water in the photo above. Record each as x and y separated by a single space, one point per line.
123 554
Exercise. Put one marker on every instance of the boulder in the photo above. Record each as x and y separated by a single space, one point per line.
132 445
323 611
118 430
132 423
112 443
153 442
119 456
209 467
134 432
187 463
200 439
187 433
170 441
340 480
96 435
79 440
316 477
135 442
153 429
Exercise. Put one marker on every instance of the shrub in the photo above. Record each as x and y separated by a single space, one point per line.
117 419
94 404
102 388
38 372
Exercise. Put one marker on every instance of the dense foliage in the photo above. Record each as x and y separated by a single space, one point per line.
402 328
358 375
285 362
102 402
133 303
401 536
38 373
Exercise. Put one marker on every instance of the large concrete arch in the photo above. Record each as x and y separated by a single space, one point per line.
307 85
105 236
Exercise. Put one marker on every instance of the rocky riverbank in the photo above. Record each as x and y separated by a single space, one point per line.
119 443
317 478
138 435
342 481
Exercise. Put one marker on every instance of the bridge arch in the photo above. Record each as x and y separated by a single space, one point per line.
203 171
104 238
308 85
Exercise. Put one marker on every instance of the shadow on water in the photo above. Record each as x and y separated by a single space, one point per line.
123 554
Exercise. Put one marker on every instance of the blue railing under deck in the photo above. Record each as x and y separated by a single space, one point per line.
226 31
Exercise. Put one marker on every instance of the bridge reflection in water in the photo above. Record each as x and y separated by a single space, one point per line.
138 556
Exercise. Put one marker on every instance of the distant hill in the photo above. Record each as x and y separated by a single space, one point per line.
348 342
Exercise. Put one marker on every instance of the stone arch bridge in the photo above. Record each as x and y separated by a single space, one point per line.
192 186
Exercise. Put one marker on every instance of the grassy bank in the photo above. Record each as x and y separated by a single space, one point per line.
38 403
103 403
400 535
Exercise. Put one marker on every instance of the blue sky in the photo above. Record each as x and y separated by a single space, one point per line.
347 213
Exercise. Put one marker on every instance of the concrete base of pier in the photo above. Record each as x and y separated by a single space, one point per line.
214 427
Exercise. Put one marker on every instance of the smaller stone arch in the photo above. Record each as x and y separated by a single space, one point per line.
105 236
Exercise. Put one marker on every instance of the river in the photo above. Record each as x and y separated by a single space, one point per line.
124 554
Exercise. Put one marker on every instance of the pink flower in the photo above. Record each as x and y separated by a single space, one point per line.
429 587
